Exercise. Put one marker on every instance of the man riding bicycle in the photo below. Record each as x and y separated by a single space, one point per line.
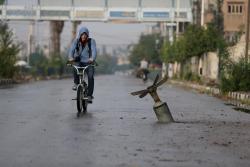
83 52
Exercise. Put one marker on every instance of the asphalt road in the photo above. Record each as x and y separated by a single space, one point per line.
38 127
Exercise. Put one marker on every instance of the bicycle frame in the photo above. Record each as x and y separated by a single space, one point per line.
81 72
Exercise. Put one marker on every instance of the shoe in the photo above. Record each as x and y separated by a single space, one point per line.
74 87
90 99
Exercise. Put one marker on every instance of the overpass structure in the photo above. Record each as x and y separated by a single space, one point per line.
99 10
171 13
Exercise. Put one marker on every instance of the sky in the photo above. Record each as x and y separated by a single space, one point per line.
110 34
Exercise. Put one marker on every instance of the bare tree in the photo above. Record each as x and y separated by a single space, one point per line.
56 28
74 29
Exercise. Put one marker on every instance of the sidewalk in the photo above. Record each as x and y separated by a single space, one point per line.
25 79
240 99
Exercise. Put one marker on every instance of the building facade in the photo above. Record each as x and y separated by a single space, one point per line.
235 17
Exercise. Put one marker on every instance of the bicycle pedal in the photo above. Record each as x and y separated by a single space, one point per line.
73 99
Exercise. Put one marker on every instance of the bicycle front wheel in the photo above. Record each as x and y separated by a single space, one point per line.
79 99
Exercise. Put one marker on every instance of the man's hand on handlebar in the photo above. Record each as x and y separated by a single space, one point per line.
90 61
70 61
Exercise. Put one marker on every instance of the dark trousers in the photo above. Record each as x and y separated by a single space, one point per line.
90 71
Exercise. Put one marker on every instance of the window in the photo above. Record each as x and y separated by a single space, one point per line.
240 8
233 8
236 8
229 8
181 14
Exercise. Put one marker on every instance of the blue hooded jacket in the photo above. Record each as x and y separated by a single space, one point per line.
83 51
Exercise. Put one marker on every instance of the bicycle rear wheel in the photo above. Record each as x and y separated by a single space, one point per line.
85 100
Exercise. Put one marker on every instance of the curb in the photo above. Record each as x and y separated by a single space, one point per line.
4 82
241 97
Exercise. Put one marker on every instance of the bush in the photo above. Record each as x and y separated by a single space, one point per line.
43 66
189 76
236 77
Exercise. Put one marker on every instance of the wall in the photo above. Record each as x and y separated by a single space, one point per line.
206 66
209 63
237 51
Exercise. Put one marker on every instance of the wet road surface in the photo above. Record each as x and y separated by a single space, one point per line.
38 127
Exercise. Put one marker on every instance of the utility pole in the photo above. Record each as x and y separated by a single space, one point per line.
247 30
177 18
202 12
164 34
31 41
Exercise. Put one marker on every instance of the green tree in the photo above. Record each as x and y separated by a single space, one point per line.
8 51
2 2
195 41
136 55
192 43
106 64
167 52
194 37
146 48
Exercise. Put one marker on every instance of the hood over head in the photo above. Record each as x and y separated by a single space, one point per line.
81 31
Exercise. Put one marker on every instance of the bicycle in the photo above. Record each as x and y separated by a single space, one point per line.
142 74
82 89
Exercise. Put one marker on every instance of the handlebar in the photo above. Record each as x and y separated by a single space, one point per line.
81 68
71 63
